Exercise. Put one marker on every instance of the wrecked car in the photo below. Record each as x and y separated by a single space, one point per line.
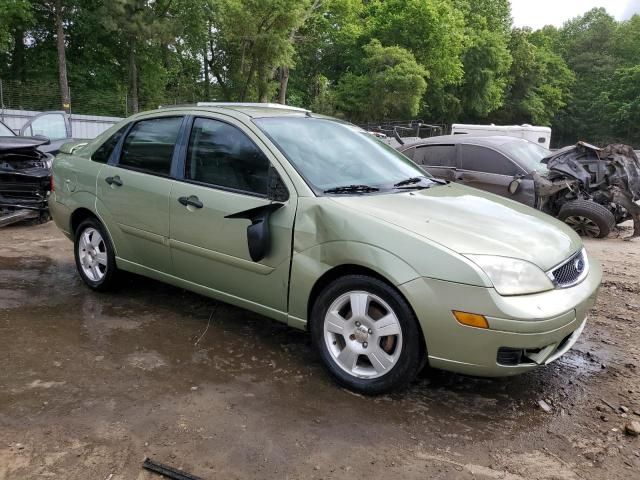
25 179
313 222
588 188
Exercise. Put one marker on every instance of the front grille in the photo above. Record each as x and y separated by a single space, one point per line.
570 272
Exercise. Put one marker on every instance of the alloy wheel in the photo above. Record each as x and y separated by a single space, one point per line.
92 252
363 334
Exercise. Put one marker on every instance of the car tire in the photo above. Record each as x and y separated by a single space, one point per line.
587 218
353 347
95 256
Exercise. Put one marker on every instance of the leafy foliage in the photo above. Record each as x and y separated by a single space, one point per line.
442 60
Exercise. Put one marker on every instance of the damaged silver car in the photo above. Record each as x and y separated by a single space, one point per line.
589 188
25 180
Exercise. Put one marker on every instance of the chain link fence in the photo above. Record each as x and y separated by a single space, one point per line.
43 96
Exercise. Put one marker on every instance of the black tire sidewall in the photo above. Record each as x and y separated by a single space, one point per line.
411 356
598 214
108 281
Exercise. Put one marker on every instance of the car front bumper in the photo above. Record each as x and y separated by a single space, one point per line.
525 331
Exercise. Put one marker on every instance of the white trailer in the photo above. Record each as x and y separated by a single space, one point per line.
539 135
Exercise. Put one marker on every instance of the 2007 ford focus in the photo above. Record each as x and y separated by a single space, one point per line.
313 222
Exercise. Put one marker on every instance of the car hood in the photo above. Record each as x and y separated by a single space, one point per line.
469 221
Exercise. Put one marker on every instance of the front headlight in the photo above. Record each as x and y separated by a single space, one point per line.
511 276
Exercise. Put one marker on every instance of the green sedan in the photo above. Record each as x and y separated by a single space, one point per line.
313 222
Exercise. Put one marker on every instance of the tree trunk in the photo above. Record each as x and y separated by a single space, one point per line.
17 57
284 82
207 90
62 58
133 76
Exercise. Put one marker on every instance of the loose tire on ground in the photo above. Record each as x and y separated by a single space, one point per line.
587 218
95 256
366 335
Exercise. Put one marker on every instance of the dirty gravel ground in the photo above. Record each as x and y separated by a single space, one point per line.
91 383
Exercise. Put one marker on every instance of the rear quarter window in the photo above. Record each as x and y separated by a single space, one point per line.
104 151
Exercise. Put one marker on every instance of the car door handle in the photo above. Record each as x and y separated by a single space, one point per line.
114 181
191 201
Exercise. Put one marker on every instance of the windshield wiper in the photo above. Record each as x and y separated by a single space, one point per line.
408 181
352 189
411 182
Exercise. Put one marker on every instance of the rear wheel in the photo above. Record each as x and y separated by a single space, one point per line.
587 218
94 254
366 334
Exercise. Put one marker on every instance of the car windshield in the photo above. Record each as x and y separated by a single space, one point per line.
332 155
528 154
6 131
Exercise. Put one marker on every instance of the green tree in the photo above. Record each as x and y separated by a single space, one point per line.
433 31
486 59
391 85
540 83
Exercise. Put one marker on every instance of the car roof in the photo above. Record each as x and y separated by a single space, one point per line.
253 110
487 141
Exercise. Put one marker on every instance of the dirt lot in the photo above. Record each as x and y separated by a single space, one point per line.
91 384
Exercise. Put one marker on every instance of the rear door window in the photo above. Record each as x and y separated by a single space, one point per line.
149 145
436 156
222 155
482 159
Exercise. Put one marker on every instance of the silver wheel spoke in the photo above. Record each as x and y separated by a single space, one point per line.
334 323
359 304
387 325
348 358
382 362
101 258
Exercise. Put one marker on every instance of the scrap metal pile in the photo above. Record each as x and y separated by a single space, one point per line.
25 180
609 176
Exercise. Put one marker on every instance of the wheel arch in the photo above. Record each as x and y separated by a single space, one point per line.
78 216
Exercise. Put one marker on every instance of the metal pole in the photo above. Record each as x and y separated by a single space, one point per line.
1 101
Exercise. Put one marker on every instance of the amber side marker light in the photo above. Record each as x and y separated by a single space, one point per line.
471 319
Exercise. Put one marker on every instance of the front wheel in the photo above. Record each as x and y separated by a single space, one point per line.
95 257
367 335
587 218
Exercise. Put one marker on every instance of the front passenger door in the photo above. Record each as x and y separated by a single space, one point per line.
225 172
490 170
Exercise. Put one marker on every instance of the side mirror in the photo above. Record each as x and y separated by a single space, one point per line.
71 147
514 186
259 232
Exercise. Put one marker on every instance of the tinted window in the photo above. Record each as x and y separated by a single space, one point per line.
481 159
436 156
149 145
220 154
103 152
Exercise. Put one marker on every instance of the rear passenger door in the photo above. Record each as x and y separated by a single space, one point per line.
489 170
227 170
133 192
438 160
